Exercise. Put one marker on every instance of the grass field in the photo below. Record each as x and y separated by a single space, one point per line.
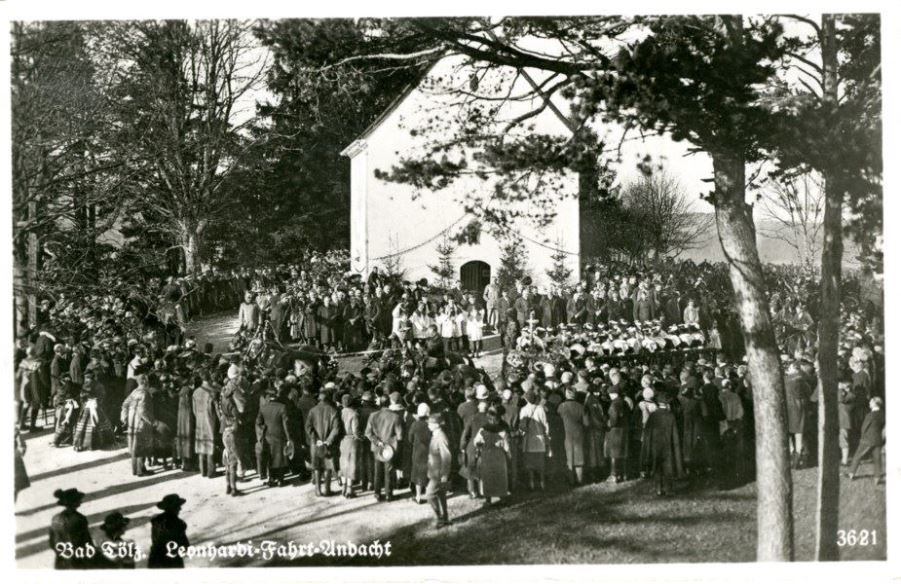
628 523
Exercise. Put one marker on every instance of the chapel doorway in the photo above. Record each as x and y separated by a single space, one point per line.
475 276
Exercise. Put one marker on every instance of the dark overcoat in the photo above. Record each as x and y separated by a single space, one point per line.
661 446
616 443
164 528
70 526
272 426
574 422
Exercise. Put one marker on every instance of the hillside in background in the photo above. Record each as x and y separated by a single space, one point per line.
773 250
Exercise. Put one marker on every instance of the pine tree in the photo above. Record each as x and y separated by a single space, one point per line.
559 272
445 268
514 261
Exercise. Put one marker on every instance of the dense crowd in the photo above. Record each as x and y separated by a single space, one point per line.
628 374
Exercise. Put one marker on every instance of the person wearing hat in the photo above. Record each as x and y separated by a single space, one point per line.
661 445
469 460
418 438
323 427
367 460
228 416
93 430
872 440
731 429
137 417
533 427
69 530
273 437
112 546
65 404
438 471
165 528
616 444
574 422
350 467
510 402
206 426
798 390
493 454
385 431
28 390
184 424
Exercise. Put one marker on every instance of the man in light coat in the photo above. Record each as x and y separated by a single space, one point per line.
439 468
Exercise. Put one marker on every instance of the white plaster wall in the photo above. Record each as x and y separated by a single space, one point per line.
402 218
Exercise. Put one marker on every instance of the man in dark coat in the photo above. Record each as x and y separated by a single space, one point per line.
385 428
273 435
798 391
365 411
70 538
323 429
872 438
575 420
661 445
166 529
616 445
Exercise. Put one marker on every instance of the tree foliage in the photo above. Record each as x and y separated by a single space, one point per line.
444 270
513 263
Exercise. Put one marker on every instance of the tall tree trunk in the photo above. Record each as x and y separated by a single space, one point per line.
830 308
738 238
20 293
190 243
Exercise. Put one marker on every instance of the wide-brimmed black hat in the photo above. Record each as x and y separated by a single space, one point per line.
171 502
114 521
68 497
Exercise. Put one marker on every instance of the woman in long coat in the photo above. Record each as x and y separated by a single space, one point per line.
350 462
418 438
493 446
574 423
326 318
798 391
184 434
662 447
691 426
165 412
616 445
470 470
207 421
556 432
137 417
273 433
310 328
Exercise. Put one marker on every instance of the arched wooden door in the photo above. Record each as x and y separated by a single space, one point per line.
474 276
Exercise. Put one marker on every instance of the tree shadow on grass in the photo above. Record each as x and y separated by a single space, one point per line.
592 524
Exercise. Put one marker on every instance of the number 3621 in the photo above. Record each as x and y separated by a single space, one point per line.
854 537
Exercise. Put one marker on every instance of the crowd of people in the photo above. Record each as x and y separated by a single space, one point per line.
627 375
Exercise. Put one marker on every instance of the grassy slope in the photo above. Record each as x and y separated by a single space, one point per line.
627 523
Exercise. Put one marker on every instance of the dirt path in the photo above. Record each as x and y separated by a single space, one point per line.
283 514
